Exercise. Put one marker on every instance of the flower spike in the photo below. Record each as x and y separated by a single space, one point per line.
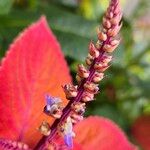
97 61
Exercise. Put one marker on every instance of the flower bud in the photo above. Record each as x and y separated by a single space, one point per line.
89 59
115 20
56 111
91 87
112 6
100 66
109 14
70 91
78 108
109 48
78 78
82 71
93 51
117 10
113 32
102 36
106 59
75 118
44 128
106 23
98 44
115 42
98 77
86 97
104 30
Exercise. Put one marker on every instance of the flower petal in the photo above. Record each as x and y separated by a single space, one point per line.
99 133
59 143
68 140
34 66
141 131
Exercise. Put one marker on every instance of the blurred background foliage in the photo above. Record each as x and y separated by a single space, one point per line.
125 92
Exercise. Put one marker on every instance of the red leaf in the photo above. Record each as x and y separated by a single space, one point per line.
101 134
33 67
12 145
141 131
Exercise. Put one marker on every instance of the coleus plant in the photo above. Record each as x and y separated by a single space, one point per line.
35 67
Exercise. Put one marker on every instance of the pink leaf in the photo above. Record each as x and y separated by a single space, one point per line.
34 66
12 145
101 134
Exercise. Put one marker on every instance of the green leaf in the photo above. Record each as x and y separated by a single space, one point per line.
73 45
93 9
6 37
132 109
147 109
110 111
67 3
73 31
68 22
5 6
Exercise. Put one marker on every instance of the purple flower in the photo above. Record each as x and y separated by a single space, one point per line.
68 133
53 106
